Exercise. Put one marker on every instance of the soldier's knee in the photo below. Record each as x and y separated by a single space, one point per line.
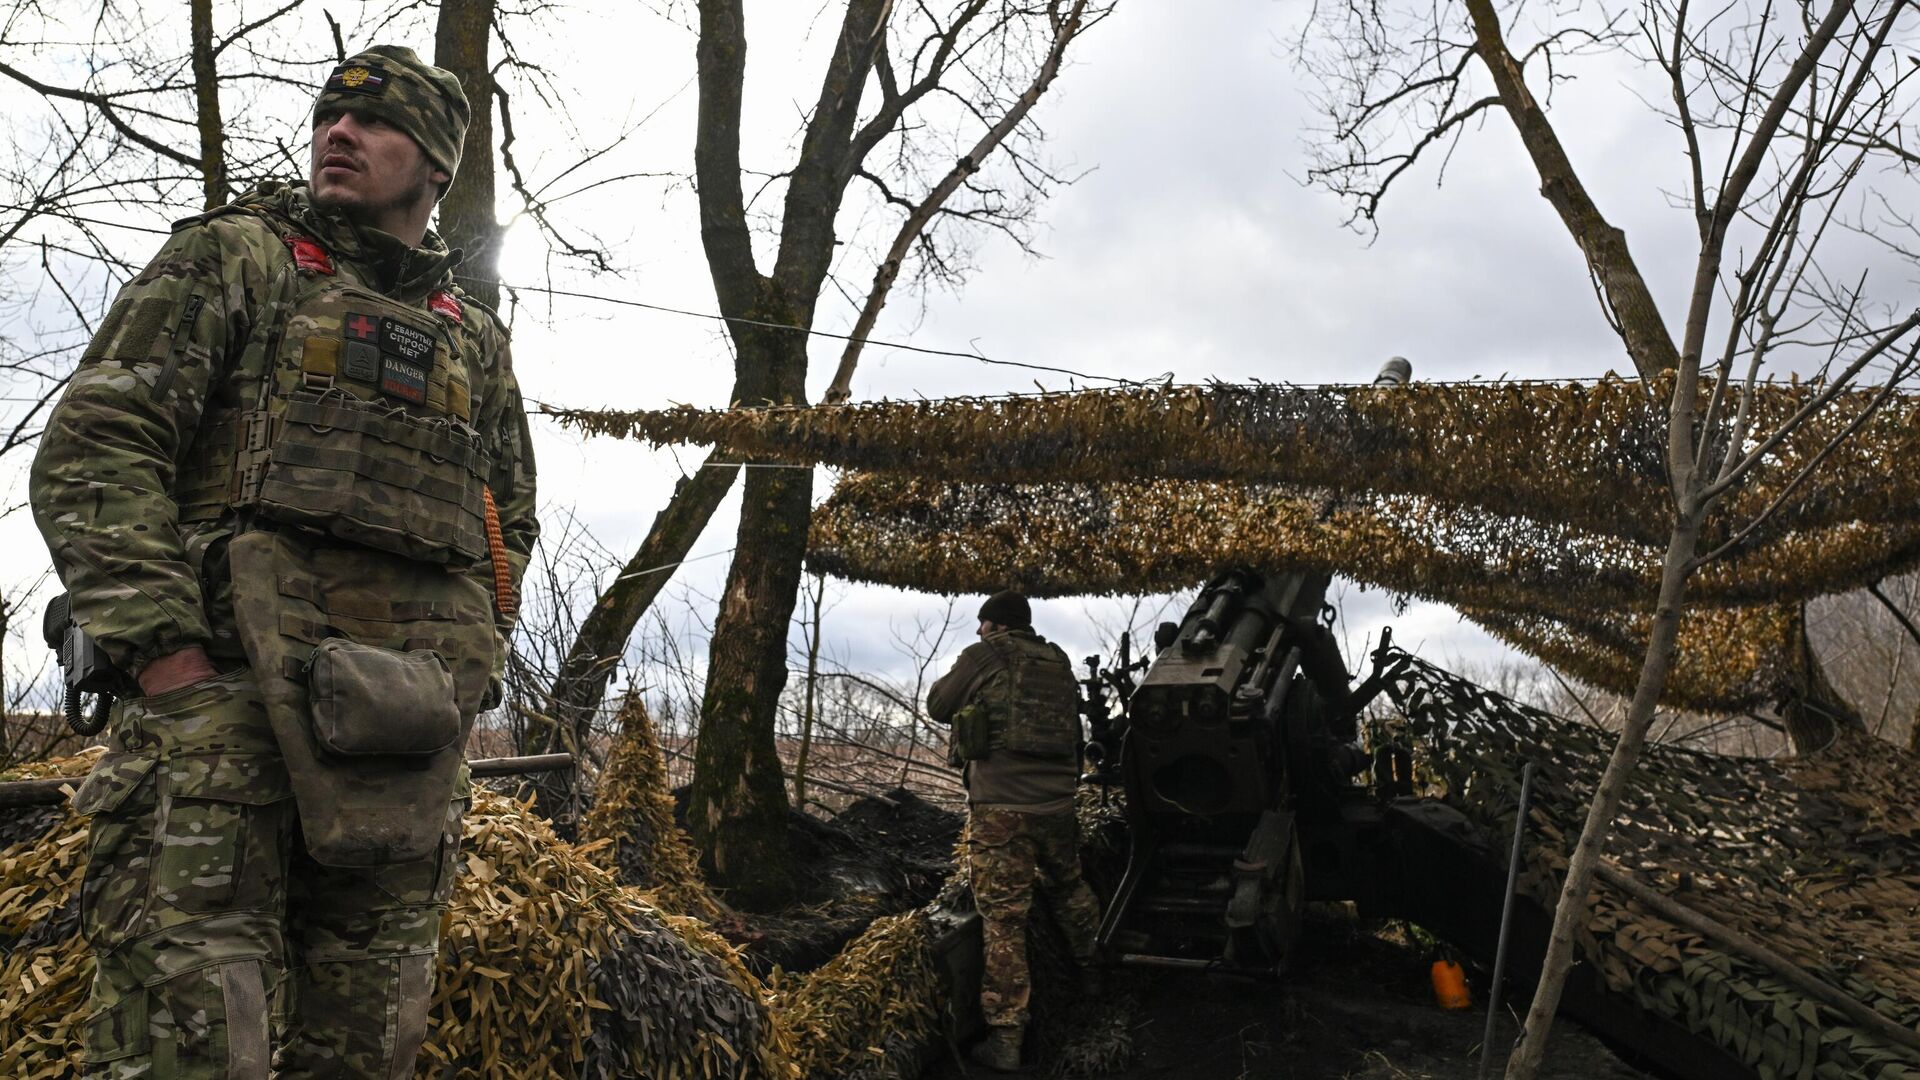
210 1022
117 1030
368 1015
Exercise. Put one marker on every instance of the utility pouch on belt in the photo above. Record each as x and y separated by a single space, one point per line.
369 701
372 473
371 738
972 733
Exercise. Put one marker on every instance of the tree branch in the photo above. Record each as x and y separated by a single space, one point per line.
1066 29
105 106
722 62
1641 326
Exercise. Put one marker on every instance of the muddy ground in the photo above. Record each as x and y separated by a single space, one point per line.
1357 1006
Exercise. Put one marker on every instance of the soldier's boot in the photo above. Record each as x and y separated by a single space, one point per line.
999 1051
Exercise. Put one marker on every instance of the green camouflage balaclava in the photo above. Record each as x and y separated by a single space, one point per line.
392 83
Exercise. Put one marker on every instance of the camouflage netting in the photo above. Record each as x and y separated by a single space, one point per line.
631 829
1819 857
1550 601
1539 509
1728 659
871 1009
1589 455
548 967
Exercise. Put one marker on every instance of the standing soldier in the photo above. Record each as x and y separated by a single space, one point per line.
1013 704
289 492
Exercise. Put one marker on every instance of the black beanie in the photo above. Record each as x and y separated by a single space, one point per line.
1009 609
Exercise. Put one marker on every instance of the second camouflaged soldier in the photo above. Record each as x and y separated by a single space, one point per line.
1013 704
289 492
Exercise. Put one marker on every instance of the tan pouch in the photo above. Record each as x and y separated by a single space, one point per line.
368 700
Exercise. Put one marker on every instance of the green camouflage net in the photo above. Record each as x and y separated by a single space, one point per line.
1818 856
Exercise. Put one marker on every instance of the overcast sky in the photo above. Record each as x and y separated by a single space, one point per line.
1188 246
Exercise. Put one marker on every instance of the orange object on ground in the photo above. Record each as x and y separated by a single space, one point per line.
1450 986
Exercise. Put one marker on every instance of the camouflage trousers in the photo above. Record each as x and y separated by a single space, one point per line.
222 951
1008 854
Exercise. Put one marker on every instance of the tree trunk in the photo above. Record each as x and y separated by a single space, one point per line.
6 739
738 807
581 684
1814 711
737 810
816 597
467 219
206 98
1572 905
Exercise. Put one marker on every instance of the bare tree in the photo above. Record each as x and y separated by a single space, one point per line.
976 58
88 168
1785 117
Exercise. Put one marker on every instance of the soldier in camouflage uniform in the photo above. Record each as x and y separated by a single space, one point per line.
291 429
1014 708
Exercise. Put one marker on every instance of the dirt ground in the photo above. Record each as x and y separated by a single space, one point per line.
1357 1006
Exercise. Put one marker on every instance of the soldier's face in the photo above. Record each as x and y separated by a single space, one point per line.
369 168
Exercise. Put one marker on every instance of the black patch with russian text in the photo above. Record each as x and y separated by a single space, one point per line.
362 327
406 342
361 362
368 79
403 380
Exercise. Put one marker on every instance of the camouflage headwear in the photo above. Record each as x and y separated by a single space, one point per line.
394 84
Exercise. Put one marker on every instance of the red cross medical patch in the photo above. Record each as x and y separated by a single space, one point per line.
362 327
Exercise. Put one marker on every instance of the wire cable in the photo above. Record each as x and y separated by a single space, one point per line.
743 321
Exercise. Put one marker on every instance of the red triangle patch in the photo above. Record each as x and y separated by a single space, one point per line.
309 256
445 303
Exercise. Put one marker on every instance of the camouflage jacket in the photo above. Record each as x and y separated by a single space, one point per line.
1026 684
105 482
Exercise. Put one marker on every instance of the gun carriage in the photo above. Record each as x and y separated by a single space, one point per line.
1237 755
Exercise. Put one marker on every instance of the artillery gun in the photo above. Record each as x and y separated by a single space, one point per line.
1237 754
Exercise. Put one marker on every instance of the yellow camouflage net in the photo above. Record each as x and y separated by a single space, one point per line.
876 999
631 828
1726 659
1537 508
1589 455
1555 604
1163 535
548 966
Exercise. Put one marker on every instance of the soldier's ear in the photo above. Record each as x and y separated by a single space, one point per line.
441 178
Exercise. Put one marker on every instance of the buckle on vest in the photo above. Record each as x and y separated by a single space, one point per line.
256 431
